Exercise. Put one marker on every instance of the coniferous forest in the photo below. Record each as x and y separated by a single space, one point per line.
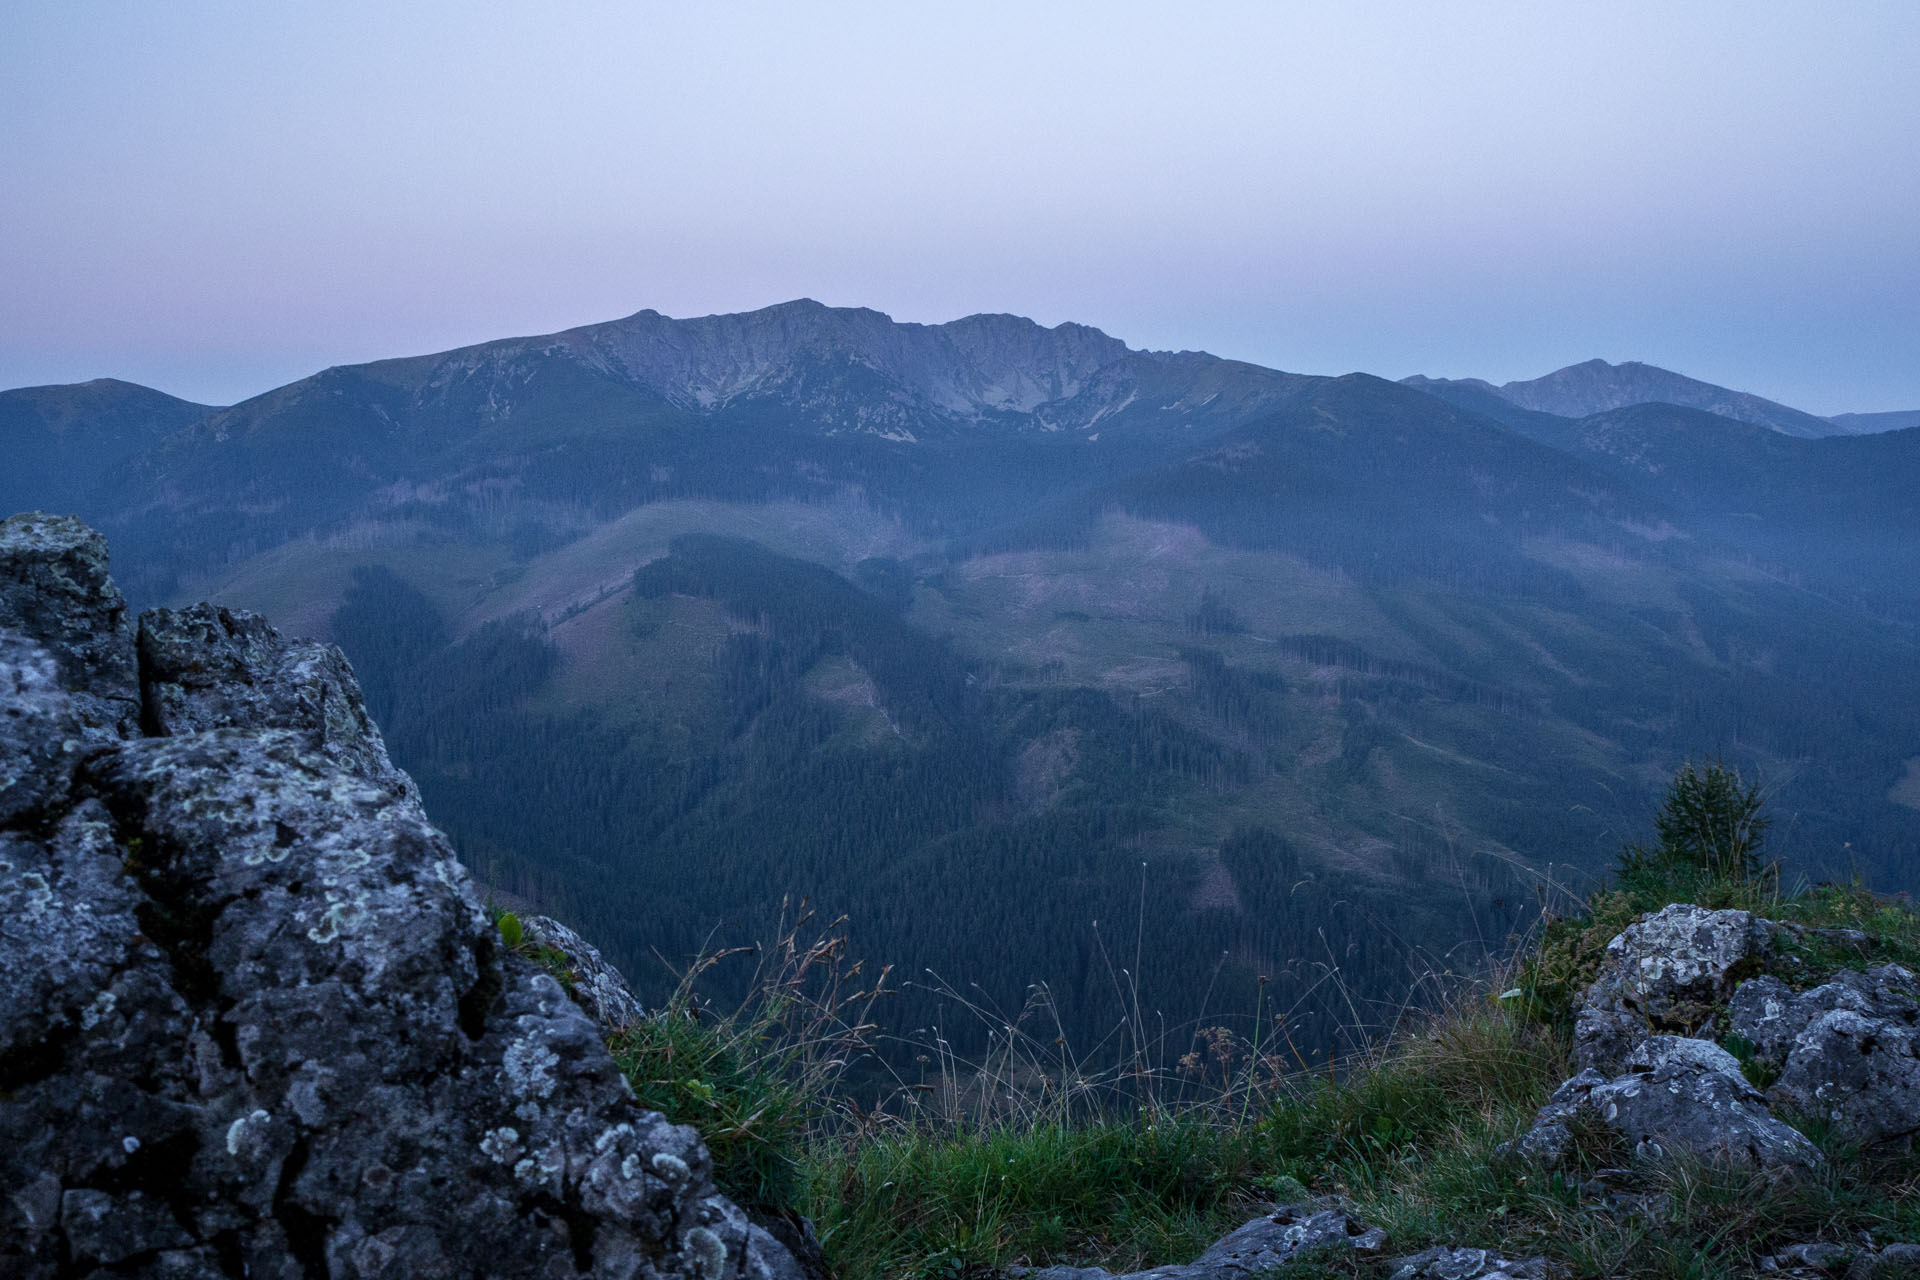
1177 675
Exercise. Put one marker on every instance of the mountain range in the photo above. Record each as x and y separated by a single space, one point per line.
988 629
1594 386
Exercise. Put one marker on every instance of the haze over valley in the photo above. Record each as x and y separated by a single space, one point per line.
1265 673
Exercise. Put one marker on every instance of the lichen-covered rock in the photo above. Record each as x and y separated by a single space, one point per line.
1677 1095
252 1019
1860 1074
599 987
1254 1249
40 733
1861 1260
1549 1141
1885 1263
1665 975
1769 1015
212 668
1847 1051
55 591
1472 1264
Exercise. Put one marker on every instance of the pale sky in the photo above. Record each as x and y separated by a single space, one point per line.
216 198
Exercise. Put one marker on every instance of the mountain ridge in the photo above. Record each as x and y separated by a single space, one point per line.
983 368
60 439
1870 423
1595 386
990 614
705 363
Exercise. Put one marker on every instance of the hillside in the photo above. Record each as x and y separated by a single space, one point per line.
1836 515
229 923
1866 423
60 441
798 400
1269 675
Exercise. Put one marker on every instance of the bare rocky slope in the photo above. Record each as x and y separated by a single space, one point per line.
253 1021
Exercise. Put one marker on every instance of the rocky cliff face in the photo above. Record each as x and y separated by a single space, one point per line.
833 371
252 1019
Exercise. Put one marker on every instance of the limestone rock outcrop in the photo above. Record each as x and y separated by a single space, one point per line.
1682 987
1317 1230
1677 1095
206 667
1445 1263
1665 975
600 988
1847 1051
54 588
1258 1247
253 1021
1859 1260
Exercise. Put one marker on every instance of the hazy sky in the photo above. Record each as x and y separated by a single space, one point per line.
214 198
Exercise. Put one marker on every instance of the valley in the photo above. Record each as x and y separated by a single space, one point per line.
1181 672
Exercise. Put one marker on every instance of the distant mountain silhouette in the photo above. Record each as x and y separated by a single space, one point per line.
1594 386
1869 423
796 400
59 440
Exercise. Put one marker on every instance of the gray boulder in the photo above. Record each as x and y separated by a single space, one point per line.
600 988
1472 1264
252 1019
1861 1260
54 591
1666 975
1261 1245
1847 1051
1677 1096
1769 1015
1860 1074
212 668
40 732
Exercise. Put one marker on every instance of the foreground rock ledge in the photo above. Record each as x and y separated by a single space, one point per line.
1845 1052
253 1021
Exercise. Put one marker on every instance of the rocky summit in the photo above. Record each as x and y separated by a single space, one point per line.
253 1020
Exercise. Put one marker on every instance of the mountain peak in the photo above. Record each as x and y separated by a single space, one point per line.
859 370
59 439
1594 386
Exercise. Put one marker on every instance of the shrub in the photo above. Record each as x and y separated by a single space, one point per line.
1710 828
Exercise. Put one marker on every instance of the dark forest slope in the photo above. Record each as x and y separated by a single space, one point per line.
983 632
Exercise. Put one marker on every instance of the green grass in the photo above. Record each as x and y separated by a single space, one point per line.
1408 1137
1025 1162
753 1114
1126 1192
